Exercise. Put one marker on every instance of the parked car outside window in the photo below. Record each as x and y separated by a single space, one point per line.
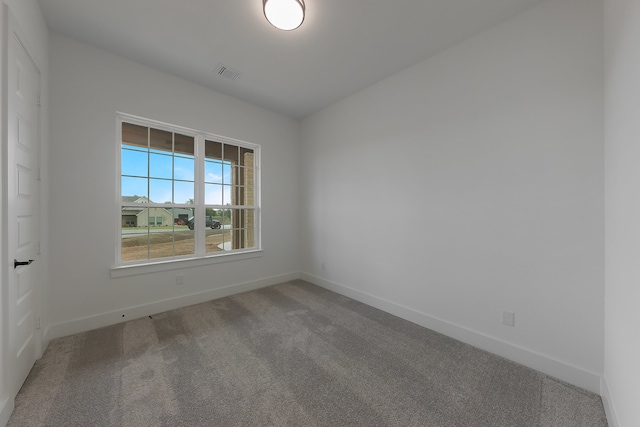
210 222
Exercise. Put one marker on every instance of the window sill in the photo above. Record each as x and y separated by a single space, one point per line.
175 264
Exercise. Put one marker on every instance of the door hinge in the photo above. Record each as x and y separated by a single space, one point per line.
39 104
39 249
38 323
38 176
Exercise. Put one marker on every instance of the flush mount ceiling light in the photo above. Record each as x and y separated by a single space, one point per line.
284 14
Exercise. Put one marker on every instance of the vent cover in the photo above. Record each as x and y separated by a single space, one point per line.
227 72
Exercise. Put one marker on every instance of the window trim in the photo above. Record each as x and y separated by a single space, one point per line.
200 256
167 264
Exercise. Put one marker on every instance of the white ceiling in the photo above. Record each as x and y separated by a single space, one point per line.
342 46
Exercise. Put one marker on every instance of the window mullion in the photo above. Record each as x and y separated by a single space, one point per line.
148 190
173 190
200 228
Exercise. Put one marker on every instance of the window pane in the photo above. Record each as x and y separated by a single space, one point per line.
226 173
250 238
184 145
213 194
214 232
181 216
231 153
155 236
160 190
236 177
250 196
183 192
246 157
129 219
244 196
226 218
227 240
161 238
247 176
242 228
248 227
249 218
160 165
135 237
160 140
135 135
134 162
184 241
231 218
213 172
242 175
212 150
226 195
134 187
183 168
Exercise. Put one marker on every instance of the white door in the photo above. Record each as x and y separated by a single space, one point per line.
22 208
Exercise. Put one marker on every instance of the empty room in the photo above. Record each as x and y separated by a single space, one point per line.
337 213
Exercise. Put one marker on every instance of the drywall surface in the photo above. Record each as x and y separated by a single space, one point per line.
89 86
622 209
472 184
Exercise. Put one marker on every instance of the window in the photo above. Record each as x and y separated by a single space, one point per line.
184 193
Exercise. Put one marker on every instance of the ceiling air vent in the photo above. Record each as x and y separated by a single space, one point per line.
228 73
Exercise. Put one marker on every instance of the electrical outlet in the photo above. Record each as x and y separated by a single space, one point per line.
179 279
509 318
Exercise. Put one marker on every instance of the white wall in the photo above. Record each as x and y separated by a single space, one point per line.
622 209
35 33
88 86
470 184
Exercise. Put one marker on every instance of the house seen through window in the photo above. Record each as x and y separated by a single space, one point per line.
184 193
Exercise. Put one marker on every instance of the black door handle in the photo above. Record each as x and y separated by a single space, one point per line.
16 263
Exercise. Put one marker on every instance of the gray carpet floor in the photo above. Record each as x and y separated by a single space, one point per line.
292 354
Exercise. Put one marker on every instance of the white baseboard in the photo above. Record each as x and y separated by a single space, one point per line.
566 372
6 408
540 362
607 401
129 313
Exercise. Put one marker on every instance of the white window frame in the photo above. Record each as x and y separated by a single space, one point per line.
200 257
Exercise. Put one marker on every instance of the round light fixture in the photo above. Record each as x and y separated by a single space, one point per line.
284 14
